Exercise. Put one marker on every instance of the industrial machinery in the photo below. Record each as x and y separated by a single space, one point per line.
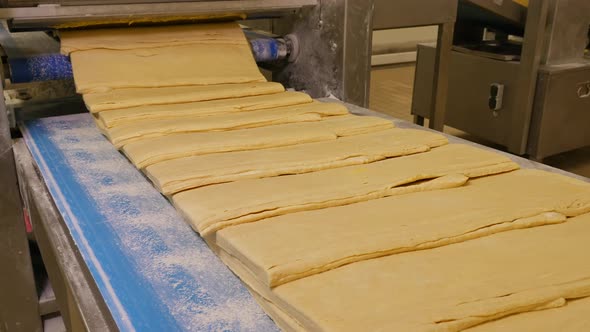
117 253
519 76
319 46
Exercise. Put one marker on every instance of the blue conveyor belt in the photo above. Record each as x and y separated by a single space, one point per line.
153 271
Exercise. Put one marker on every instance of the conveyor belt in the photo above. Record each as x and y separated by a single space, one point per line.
154 272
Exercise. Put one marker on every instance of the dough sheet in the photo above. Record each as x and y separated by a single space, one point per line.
293 246
152 150
145 129
155 36
449 288
136 117
133 97
101 70
211 208
176 175
572 316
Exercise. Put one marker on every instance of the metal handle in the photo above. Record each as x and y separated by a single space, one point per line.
584 90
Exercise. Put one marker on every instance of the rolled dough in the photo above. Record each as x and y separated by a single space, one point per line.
132 117
132 97
211 208
146 129
285 248
156 36
449 288
149 151
176 175
571 317
101 70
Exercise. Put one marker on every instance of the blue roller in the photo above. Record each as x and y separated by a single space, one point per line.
56 66
267 49
40 68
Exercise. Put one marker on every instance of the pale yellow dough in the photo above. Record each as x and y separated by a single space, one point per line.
285 248
449 288
101 70
132 117
150 151
211 208
573 316
156 36
132 97
180 174
141 130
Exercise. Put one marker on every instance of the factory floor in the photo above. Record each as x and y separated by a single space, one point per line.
391 93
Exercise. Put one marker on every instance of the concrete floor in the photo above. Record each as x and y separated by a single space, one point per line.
391 93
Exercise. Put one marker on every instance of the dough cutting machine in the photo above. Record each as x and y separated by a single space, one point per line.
118 255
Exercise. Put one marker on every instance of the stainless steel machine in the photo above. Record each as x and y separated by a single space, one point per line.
519 77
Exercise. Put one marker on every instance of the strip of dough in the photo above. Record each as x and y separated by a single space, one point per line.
150 151
181 174
294 246
449 288
158 36
101 70
146 129
212 208
132 97
572 317
130 116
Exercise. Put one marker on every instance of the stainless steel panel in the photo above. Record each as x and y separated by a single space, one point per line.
562 111
502 14
423 80
55 16
18 296
440 85
35 3
470 78
402 14
335 50
567 31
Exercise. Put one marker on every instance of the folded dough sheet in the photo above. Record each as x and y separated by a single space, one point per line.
143 129
181 174
571 316
448 288
148 151
137 117
285 248
134 97
117 58
215 207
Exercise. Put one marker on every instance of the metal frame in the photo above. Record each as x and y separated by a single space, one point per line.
411 13
544 101
55 16
20 309
78 298
534 36
335 44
